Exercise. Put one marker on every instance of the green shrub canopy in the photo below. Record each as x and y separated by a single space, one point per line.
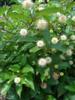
37 51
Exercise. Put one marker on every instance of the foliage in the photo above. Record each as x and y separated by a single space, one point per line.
19 54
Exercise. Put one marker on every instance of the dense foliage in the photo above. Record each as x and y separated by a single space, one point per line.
37 51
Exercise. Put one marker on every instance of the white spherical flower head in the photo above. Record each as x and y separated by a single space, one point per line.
69 52
72 37
23 32
42 62
17 80
71 62
49 60
63 37
27 4
61 74
54 40
58 14
62 19
69 16
42 24
40 44
73 18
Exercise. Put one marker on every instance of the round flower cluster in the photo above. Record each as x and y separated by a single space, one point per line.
17 80
71 62
27 4
49 60
69 52
41 24
63 37
54 40
73 18
23 32
62 19
40 44
44 61
58 14
72 37
61 74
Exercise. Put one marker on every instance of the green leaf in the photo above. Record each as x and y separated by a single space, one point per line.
14 68
27 69
64 65
34 50
50 9
19 89
46 37
5 89
70 88
12 95
50 97
59 47
5 75
69 97
20 1
72 97
45 75
28 81
26 46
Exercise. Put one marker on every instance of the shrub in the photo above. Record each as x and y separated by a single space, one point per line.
37 50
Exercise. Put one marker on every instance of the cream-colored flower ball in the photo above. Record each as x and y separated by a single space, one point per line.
42 62
54 40
63 37
69 52
73 18
49 60
23 32
71 62
61 74
27 4
17 80
40 43
58 14
72 37
41 24
62 19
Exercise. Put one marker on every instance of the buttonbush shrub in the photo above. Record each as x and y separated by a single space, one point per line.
37 51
